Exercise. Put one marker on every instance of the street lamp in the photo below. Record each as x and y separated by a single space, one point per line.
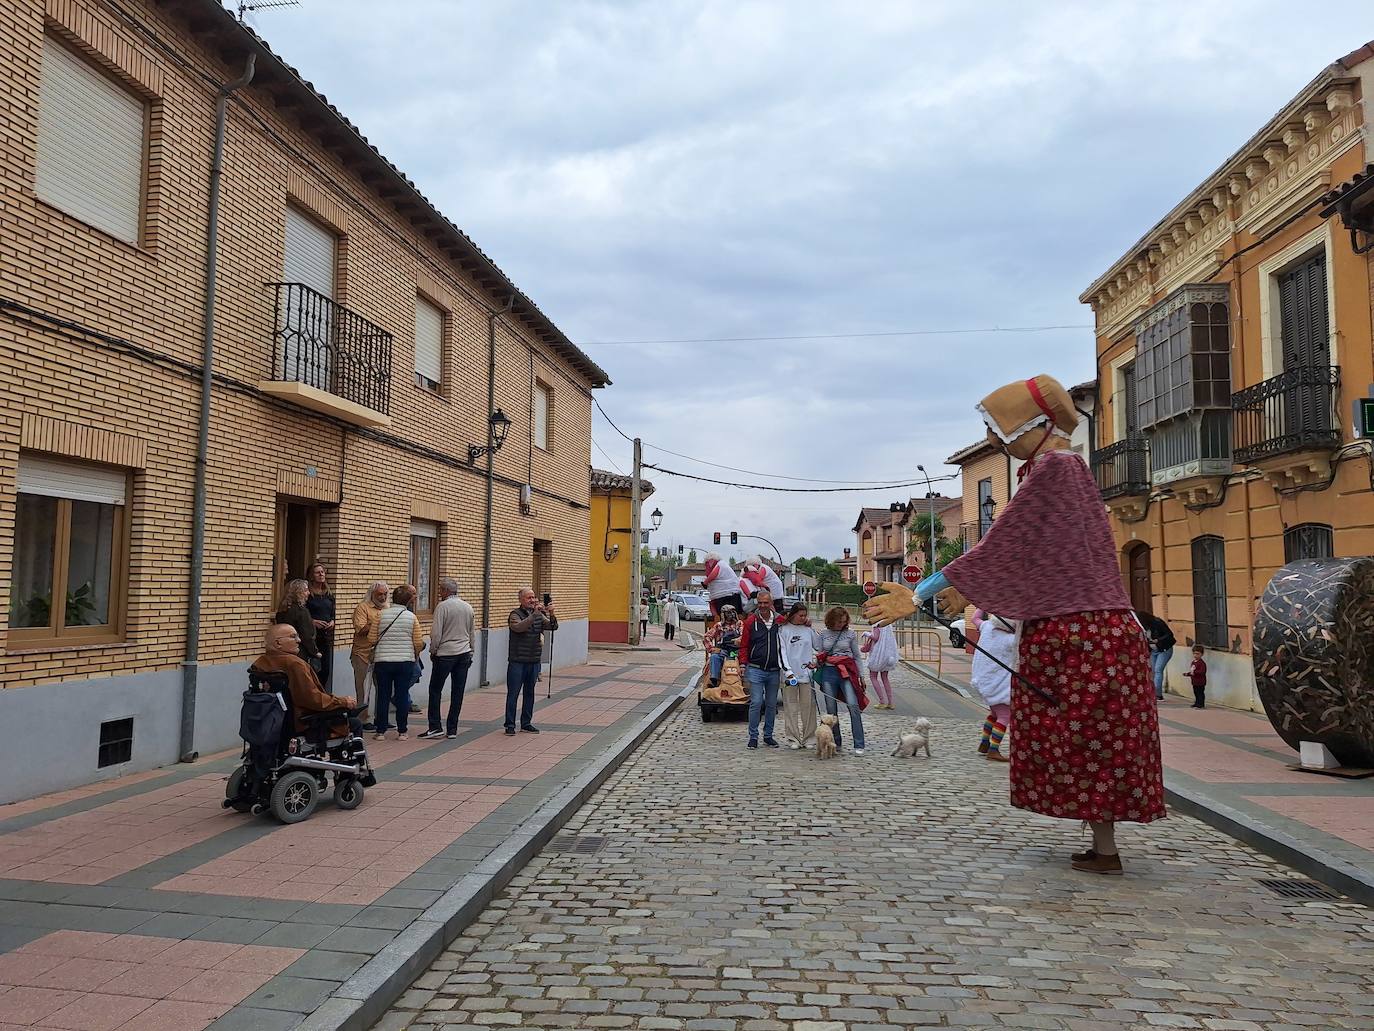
656 517
498 425
930 495
989 507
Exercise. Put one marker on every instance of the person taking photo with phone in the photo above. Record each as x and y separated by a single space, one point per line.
524 655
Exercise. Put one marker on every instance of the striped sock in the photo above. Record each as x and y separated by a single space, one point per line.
987 734
995 738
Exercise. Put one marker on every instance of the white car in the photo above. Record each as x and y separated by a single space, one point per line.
956 634
692 606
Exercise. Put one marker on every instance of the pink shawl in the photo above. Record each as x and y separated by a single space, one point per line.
1050 552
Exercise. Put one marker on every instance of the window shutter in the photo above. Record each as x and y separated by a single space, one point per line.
54 479
423 529
429 340
309 254
90 144
542 399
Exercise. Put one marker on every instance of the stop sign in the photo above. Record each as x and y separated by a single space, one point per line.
911 574
870 588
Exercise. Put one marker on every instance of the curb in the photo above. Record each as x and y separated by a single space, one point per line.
948 685
1316 862
365 997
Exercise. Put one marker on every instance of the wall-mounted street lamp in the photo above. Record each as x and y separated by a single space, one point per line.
989 509
498 425
656 517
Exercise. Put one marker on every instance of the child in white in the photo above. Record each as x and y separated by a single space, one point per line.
880 645
997 637
798 656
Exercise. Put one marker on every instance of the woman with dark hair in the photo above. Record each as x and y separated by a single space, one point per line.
291 611
320 603
834 645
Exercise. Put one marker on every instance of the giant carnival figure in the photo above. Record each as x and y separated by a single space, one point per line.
1085 727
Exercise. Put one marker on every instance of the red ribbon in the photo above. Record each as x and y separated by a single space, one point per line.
1044 407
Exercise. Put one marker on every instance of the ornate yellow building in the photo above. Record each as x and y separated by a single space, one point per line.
1233 345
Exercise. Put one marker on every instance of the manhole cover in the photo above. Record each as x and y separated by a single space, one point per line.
580 844
1301 890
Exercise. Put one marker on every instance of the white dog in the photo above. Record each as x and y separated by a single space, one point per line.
916 740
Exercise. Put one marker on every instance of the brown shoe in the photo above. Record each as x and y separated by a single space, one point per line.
1084 856
1109 865
996 757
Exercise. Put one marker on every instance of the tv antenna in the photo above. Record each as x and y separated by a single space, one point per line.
259 5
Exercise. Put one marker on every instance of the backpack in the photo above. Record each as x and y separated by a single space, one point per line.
260 726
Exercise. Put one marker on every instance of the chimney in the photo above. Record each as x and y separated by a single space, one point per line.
846 552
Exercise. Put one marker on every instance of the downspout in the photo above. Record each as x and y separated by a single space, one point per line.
190 666
492 318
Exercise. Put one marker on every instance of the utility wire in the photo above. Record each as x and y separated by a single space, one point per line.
607 457
791 490
875 484
830 336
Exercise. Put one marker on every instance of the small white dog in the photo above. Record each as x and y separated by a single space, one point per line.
913 742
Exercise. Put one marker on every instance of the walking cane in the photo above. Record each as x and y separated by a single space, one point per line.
550 694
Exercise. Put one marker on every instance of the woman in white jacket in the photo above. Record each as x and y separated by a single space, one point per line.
798 656
996 637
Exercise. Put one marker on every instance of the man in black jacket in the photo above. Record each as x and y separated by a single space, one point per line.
760 655
524 655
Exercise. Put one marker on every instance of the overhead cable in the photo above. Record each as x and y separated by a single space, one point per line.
793 490
831 336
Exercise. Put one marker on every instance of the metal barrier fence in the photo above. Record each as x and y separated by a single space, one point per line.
917 642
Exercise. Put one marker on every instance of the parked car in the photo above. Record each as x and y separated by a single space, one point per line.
692 606
956 634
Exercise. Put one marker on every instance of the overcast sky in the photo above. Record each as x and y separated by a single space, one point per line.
662 170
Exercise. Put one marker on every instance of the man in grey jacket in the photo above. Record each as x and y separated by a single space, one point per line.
524 655
450 651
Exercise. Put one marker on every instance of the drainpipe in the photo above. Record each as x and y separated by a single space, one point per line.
190 666
492 318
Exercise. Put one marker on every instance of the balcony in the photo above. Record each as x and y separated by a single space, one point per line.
1288 425
328 359
1122 471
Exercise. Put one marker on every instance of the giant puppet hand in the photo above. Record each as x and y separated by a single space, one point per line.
895 602
950 603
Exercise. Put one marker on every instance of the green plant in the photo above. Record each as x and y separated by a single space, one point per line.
81 605
37 611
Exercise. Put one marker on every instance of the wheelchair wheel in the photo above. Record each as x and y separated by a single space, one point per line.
234 797
348 794
295 796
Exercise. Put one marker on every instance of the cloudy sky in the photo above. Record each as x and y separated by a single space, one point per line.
654 170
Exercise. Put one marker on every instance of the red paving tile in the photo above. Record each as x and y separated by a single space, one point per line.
227 987
28 1006
585 711
176 1016
1349 819
498 756
96 1011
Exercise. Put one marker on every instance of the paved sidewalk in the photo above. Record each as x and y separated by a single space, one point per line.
139 904
1229 767
709 888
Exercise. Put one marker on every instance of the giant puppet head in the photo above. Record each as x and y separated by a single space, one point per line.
1029 416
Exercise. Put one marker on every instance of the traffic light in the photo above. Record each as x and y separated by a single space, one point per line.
679 549
734 537
715 537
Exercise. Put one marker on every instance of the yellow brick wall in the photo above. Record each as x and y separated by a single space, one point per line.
152 296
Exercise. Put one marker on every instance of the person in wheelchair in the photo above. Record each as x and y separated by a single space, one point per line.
722 641
281 655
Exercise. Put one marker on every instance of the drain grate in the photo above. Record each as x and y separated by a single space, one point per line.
1289 889
578 844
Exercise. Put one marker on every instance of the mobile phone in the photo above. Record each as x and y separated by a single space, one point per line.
547 598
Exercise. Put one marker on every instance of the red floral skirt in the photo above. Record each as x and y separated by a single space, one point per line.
1095 754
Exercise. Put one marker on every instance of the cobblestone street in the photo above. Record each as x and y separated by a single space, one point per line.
727 890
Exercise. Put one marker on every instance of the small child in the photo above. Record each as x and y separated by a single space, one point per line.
1197 673
992 680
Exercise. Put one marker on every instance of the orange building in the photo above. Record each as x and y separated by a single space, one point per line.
1233 344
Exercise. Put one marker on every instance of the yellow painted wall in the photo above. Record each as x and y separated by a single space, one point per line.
609 579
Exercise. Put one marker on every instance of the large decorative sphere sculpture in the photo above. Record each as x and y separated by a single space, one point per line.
1314 655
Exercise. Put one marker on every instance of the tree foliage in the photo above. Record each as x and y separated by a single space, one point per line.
825 571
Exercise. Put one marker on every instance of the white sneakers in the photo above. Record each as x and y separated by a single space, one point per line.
858 751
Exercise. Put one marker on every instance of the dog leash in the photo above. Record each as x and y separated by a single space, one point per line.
949 625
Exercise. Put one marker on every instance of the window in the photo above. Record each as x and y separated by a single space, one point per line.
1209 591
543 414
1307 540
424 562
429 344
90 144
1183 355
69 543
984 493
309 322
1303 315
541 572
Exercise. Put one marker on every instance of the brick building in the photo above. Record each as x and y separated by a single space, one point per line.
342 407
883 537
1234 347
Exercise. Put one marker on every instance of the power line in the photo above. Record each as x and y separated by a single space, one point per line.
875 484
607 457
792 490
831 336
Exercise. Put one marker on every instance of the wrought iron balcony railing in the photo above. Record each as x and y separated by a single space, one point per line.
1293 411
1123 469
324 345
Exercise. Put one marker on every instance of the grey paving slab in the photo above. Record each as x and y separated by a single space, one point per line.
246 1018
358 939
232 929
176 925
389 917
295 994
325 965
296 935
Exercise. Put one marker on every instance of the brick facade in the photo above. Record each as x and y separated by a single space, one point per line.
100 345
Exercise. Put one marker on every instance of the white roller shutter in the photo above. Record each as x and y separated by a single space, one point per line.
53 478
543 401
309 253
422 529
429 340
90 144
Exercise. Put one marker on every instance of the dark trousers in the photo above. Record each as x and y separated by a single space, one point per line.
393 681
1200 696
441 668
669 629
325 640
520 680
736 600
